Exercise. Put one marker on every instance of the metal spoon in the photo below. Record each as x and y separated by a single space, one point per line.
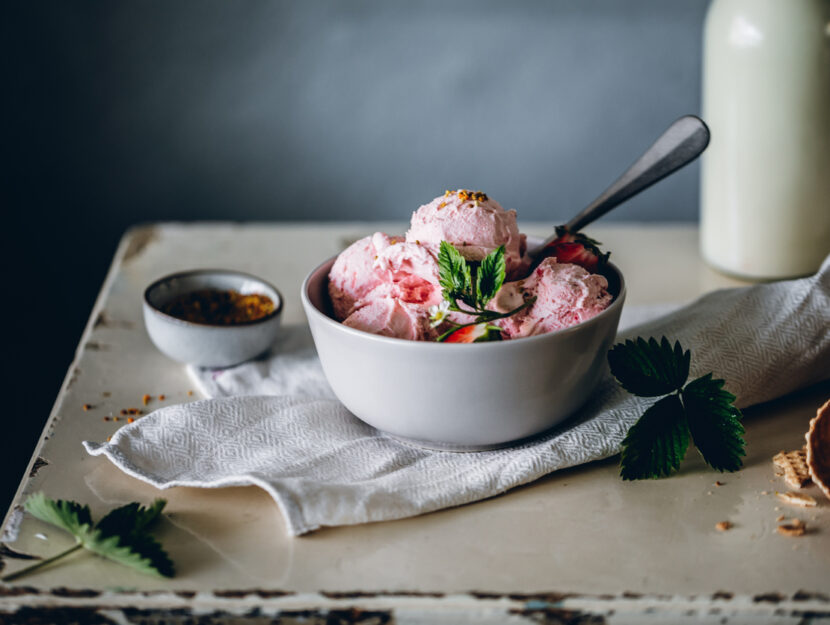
682 143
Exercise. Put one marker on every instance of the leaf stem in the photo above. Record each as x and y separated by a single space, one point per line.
37 565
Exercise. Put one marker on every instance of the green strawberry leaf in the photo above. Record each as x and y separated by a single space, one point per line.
649 368
657 443
139 551
130 518
67 515
134 546
122 535
715 423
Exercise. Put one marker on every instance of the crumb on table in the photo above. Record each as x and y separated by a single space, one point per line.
796 527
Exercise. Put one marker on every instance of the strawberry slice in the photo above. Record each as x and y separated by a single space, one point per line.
576 248
477 333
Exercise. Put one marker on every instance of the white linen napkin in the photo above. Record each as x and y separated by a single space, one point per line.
275 422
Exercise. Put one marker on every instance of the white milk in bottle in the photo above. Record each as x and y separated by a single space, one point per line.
765 179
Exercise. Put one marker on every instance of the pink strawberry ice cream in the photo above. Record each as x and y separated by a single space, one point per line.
411 269
382 312
386 285
353 276
475 225
566 294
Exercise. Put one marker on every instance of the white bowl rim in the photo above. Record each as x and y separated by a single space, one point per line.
389 340
214 272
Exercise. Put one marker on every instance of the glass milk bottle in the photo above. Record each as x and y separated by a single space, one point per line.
765 179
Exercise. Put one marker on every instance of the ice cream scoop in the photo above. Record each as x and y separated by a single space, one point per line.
353 276
475 224
565 294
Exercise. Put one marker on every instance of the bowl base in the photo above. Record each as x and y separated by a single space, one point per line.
456 448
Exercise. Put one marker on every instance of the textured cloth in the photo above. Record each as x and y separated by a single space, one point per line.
276 424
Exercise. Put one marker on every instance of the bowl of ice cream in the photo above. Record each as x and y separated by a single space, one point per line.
371 314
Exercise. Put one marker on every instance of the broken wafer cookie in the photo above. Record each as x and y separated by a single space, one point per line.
797 499
792 466
818 448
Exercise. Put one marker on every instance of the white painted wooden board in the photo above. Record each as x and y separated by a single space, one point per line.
580 541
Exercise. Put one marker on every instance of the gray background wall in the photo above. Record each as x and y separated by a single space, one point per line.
118 112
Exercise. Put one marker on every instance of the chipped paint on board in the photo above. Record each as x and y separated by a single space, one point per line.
139 238
28 604
37 465
12 526
103 320
95 346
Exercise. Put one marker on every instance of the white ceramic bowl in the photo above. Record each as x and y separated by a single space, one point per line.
461 397
208 345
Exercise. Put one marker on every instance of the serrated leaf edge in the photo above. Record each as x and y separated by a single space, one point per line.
91 538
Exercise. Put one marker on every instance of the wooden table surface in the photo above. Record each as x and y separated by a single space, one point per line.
578 546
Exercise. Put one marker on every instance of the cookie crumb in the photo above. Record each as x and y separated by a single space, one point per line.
722 526
796 527
718 483
86 407
146 399
780 518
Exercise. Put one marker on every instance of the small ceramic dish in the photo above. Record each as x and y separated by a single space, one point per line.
202 344
461 397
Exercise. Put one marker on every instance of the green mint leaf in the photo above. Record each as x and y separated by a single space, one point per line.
490 276
655 445
453 273
473 284
714 423
648 368
122 535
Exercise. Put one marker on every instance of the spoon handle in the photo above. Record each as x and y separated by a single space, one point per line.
682 143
